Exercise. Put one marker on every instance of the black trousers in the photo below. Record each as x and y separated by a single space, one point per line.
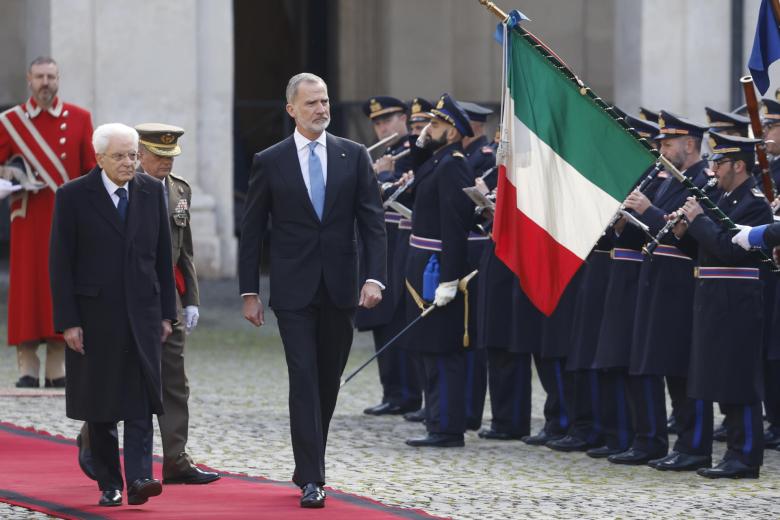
445 392
400 384
509 381
556 412
582 387
678 393
772 392
647 401
105 452
476 373
618 432
317 340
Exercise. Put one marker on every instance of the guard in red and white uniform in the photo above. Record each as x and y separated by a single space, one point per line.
54 139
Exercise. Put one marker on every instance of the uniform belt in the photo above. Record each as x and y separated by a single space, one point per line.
404 223
392 217
629 255
477 236
671 251
733 273
429 244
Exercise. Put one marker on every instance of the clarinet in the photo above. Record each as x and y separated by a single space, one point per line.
651 246
641 187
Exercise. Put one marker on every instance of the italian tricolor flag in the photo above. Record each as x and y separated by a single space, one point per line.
567 168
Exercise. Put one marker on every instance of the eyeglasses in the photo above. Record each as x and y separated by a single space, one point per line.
119 157
721 162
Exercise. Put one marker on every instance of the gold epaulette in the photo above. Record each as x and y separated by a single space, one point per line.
757 193
458 154
180 179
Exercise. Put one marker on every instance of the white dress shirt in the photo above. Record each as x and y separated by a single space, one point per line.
302 145
111 188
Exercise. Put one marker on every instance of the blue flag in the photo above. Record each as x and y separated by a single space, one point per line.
766 46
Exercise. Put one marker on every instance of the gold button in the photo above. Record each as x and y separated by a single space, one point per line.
62 140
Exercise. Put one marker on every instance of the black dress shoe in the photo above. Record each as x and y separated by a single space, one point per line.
729 469
384 409
720 434
602 452
677 461
85 459
193 475
418 416
772 437
110 498
634 457
495 435
312 496
569 443
55 383
139 491
438 440
541 438
27 382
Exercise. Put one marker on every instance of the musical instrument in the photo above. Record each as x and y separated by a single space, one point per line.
379 143
676 216
621 212
767 184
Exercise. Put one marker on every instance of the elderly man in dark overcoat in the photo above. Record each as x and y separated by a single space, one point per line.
113 291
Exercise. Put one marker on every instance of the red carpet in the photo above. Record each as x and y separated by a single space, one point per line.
39 471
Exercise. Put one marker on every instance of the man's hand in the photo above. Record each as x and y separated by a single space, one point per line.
637 201
191 316
253 310
167 329
383 164
445 293
404 179
742 239
370 295
691 209
74 338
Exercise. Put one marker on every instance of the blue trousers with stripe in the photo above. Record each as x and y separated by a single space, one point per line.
647 401
745 433
582 387
694 427
618 432
445 382
556 412
509 379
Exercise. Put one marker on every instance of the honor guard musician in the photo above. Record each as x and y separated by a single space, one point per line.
53 140
727 123
613 349
400 387
726 361
662 326
442 218
481 155
770 121
158 146
648 115
419 115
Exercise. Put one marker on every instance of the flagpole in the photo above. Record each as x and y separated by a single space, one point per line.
559 64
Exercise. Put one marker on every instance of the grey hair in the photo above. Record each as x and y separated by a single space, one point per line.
103 134
42 60
292 85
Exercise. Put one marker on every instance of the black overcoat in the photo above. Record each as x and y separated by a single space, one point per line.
115 281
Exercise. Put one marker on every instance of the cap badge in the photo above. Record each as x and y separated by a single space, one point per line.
375 106
167 138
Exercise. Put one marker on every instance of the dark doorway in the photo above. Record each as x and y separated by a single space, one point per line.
274 40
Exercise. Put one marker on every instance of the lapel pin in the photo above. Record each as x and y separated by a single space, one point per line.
343 154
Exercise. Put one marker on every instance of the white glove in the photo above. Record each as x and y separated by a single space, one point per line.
191 316
742 239
445 293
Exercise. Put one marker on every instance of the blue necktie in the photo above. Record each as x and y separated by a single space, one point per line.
122 206
316 181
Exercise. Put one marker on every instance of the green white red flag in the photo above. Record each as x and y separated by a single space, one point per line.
565 166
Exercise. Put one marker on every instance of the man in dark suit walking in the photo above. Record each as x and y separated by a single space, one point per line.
315 187
114 301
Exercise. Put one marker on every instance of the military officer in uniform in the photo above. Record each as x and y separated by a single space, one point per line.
441 220
726 362
419 115
727 123
158 146
662 325
400 387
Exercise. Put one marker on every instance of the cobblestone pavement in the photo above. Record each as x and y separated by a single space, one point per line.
239 423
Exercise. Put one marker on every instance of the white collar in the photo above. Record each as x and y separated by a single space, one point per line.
109 184
33 109
301 142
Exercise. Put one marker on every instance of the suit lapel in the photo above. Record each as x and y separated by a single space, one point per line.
337 161
102 202
138 194
292 174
